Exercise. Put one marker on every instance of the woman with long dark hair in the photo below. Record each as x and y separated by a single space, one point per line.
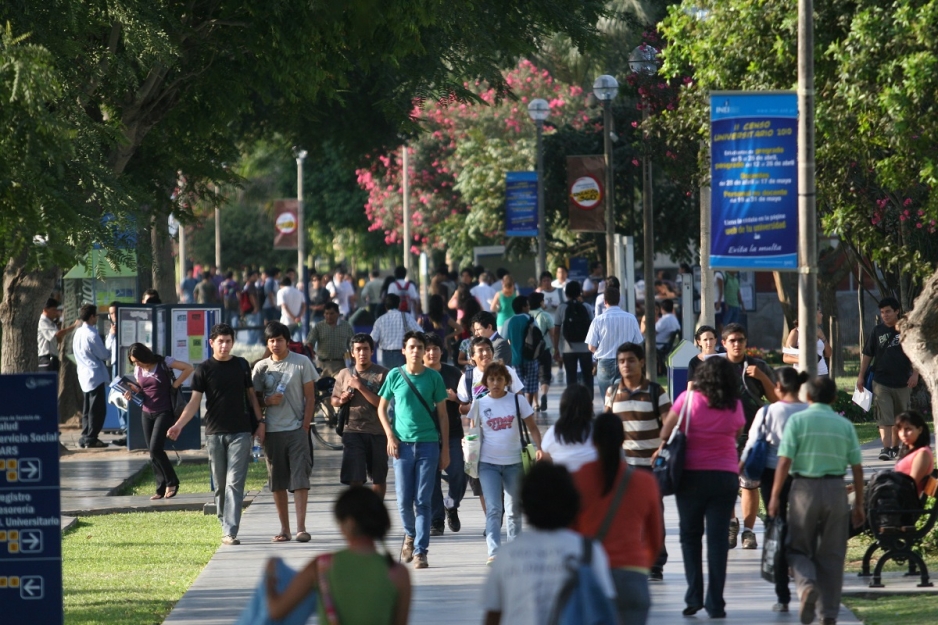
706 340
155 379
636 534
712 423
356 584
772 419
915 457
567 442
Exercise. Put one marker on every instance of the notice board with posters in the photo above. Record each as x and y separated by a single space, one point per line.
188 329
30 508
754 180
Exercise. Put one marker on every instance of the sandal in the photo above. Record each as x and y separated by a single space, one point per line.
171 491
156 496
282 537
303 537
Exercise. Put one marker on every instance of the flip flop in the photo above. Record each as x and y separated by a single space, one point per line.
302 537
171 491
281 538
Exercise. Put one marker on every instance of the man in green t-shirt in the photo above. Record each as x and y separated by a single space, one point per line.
414 441
817 447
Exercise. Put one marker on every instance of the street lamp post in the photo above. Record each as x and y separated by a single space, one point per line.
539 110
605 88
642 60
302 276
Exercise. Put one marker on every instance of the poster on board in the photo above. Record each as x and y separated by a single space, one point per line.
754 180
521 204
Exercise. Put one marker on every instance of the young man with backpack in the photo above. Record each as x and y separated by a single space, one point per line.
525 584
545 323
574 319
527 345
406 290
641 405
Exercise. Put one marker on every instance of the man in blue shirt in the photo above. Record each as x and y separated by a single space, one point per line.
91 358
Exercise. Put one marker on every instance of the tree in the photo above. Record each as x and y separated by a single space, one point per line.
919 336
150 89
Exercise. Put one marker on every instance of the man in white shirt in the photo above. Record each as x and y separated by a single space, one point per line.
667 325
342 292
611 329
292 306
594 285
50 334
562 276
389 330
406 290
91 358
483 292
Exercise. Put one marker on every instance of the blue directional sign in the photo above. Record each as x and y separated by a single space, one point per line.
30 509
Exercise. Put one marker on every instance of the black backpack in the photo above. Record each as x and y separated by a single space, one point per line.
576 322
891 500
533 347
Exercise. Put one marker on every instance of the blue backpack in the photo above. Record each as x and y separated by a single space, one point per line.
581 600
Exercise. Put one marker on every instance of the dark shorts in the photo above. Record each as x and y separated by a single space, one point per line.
544 373
475 485
364 456
288 459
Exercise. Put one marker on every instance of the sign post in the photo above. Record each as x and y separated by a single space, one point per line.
521 204
30 509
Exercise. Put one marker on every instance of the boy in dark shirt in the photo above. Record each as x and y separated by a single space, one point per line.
225 380
893 375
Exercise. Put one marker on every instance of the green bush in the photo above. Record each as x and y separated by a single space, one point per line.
845 406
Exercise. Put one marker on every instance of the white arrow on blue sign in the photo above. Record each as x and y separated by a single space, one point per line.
30 470
31 587
31 541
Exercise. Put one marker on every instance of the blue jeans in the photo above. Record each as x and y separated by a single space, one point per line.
495 479
391 358
229 455
456 476
606 373
414 470
706 496
254 319
633 601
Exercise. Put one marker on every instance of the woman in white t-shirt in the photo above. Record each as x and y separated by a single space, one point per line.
569 441
553 297
500 468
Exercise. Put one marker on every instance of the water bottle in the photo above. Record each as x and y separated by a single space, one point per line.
256 451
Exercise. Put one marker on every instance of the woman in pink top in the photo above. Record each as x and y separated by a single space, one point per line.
915 457
708 489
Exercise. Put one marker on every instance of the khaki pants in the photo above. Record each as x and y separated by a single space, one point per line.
818 518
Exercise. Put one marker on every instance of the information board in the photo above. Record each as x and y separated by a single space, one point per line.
754 180
521 204
30 509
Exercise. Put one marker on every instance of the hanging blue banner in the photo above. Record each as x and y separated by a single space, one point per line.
754 180
521 204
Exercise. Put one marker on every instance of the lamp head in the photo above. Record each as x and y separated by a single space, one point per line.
539 110
644 60
605 87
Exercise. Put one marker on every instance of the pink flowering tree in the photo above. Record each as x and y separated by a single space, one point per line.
457 166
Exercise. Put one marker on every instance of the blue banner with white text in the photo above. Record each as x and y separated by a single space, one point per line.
754 180
521 204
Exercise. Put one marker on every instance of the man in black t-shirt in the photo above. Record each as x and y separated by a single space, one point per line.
756 381
456 471
893 375
225 380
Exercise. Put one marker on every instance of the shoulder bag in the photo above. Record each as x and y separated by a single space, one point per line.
344 410
528 450
669 465
176 398
754 464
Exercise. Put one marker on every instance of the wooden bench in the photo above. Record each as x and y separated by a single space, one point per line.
897 542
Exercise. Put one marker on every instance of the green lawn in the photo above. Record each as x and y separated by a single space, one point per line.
129 569
867 432
194 478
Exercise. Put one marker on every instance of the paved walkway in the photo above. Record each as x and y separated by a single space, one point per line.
457 561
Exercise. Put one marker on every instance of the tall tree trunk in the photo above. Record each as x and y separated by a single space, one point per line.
919 336
785 284
24 294
163 267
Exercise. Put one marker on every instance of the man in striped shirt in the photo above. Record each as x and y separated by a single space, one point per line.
607 331
389 330
640 404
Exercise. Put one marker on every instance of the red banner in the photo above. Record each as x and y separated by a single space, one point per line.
285 223
586 194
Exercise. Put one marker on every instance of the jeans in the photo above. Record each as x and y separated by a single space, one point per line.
782 591
414 469
155 426
606 373
706 496
253 336
633 601
391 358
585 360
229 455
495 479
456 476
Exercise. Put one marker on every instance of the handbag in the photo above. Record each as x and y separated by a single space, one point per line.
669 465
754 464
176 399
772 546
528 450
344 410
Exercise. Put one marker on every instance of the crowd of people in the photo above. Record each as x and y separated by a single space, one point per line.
477 365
